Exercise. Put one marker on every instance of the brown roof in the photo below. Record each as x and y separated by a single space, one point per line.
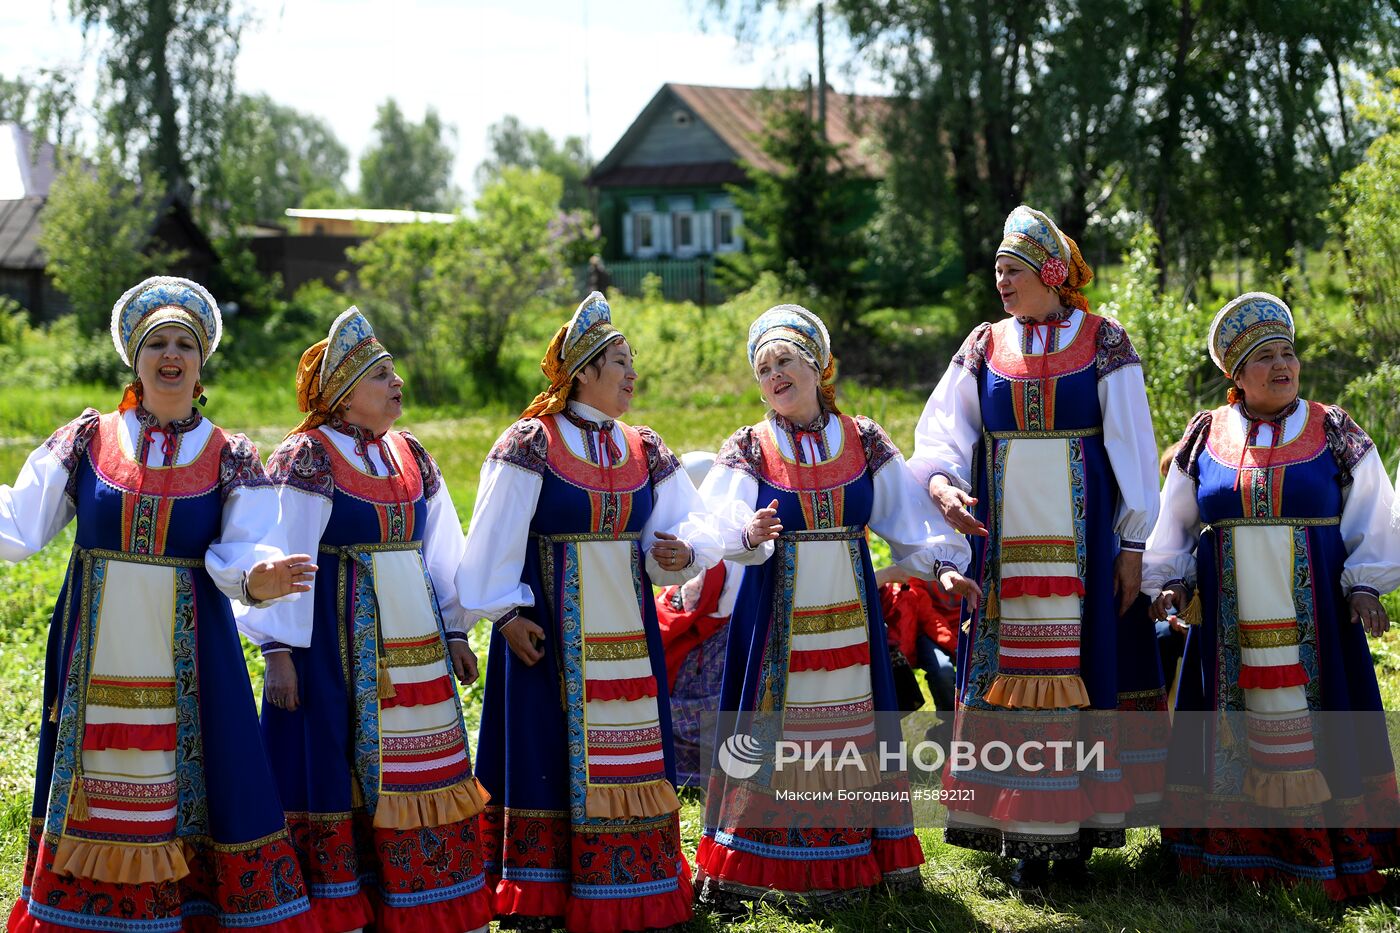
736 115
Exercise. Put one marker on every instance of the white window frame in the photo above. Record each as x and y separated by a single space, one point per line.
721 208
640 219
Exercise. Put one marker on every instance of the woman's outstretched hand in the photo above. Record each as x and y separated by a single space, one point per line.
764 526
282 577
956 584
956 506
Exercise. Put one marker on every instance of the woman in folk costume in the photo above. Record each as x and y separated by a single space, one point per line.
694 621
577 514
154 808
362 718
1277 514
807 644
1038 443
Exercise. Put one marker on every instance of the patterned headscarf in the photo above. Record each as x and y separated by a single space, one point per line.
161 301
804 331
583 338
330 369
1032 237
1245 324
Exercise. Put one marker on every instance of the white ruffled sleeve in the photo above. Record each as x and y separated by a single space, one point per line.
444 542
1171 548
36 507
1132 453
302 489
248 534
1373 547
489 581
730 492
903 514
945 439
678 509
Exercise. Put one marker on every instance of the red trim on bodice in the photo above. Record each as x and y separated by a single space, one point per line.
1005 357
120 470
628 476
1226 441
403 487
785 473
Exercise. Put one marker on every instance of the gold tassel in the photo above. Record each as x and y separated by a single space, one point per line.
357 796
1226 734
1192 615
77 800
53 712
993 608
386 686
766 704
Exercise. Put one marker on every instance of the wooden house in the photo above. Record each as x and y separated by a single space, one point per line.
662 191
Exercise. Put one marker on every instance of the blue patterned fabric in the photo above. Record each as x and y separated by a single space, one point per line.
1032 237
163 300
1245 324
796 325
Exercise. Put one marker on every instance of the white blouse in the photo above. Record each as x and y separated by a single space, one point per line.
949 432
901 513
304 519
489 579
37 507
1373 547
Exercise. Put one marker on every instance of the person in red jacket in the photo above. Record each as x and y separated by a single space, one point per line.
694 621
921 623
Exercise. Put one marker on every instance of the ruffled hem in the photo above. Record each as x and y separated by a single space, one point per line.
1149 778
120 864
829 659
451 915
423 693
627 688
101 736
1014 587
21 921
304 922
530 898
342 914
898 854
1016 805
826 777
1272 678
1340 888
790 876
629 801
648 912
434 808
1023 691
1109 796
1285 789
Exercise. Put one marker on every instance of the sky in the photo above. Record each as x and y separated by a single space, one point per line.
476 61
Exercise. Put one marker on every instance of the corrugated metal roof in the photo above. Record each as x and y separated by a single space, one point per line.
373 215
736 115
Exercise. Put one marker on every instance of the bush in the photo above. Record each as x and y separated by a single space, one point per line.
1169 334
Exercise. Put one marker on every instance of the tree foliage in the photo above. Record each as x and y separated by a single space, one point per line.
274 157
802 223
450 294
409 165
167 82
96 232
510 143
1224 123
